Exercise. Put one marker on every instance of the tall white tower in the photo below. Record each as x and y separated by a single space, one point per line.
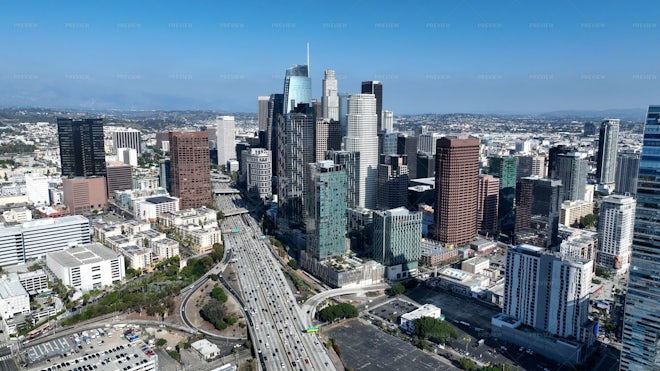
330 99
615 232
362 136
388 121
226 133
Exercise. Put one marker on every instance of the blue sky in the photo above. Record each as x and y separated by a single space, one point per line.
432 56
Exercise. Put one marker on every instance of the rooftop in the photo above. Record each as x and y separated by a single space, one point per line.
160 200
10 289
82 255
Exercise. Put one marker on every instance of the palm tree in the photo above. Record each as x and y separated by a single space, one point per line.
467 339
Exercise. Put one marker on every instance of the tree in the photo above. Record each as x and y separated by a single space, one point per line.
293 264
588 221
467 339
468 364
218 294
434 329
34 267
333 312
160 342
397 289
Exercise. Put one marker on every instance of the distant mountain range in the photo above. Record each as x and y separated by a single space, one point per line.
625 114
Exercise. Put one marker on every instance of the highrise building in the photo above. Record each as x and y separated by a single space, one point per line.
343 112
297 87
330 98
36 188
275 112
615 232
119 177
456 187
318 108
190 168
392 182
425 165
296 144
407 145
83 195
328 137
387 142
258 170
607 150
552 158
362 137
572 169
375 88
505 168
165 174
538 206
538 166
397 241
641 323
351 163
127 138
524 166
127 156
325 210
487 204
547 291
262 110
427 141
589 129
388 120
82 150
226 143
627 170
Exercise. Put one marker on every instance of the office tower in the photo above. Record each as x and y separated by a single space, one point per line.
523 146
361 136
387 142
318 108
163 141
190 168
258 169
392 182
524 168
388 120
572 169
615 232
262 110
119 177
330 99
351 163
296 146
547 291
81 147
127 138
425 165
627 169
83 195
128 156
328 137
407 145
325 210
297 87
36 189
456 187
589 129
226 143
397 235
427 141
607 150
487 204
213 137
375 88
240 147
641 324
275 111
343 112
538 166
165 174
505 168
538 205
552 158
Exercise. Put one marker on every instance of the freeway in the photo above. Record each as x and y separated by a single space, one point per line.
276 320
310 305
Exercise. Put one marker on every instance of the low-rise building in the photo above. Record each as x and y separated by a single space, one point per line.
87 267
151 208
475 265
407 320
343 272
206 349
572 211
14 299
435 254
136 257
34 281
17 215
461 282
165 249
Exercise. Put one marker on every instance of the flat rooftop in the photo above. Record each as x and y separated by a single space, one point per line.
160 199
82 255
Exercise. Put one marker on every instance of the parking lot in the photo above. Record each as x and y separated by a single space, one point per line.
381 351
392 310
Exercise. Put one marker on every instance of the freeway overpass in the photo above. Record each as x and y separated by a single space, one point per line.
310 305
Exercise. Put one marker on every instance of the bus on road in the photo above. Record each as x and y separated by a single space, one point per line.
312 329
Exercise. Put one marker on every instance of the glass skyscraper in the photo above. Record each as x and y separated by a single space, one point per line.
641 324
297 87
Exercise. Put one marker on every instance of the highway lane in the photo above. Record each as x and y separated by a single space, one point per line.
278 321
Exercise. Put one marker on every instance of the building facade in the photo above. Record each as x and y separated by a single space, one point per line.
627 170
36 188
487 204
87 267
82 151
259 179
297 88
127 138
397 240
392 182
351 163
615 227
82 196
375 88
330 98
608 141
119 178
328 137
572 169
226 139
190 168
537 211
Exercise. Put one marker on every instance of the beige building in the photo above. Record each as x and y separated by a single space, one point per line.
572 211
84 195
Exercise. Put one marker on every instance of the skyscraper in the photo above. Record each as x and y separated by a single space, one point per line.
427 141
505 168
387 142
190 168
297 87
627 169
641 324
572 169
325 210
397 241
330 99
258 171
119 177
615 232
328 137
375 88
343 112
552 158
262 107
81 147
275 111
607 150
392 182
538 205
351 163
361 136
226 143
407 145
296 145
456 187
487 204
127 138
388 120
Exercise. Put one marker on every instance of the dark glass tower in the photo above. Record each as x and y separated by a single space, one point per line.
81 147
275 110
375 88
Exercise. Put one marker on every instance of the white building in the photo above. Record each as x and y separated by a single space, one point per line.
258 168
426 142
127 138
34 281
17 215
362 137
150 208
14 299
226 134
538 166
572 211
476 265
128 156
201 216
136 257
330 98
615 229
206 349
427 310
165 249
87 267
388 121
36 187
